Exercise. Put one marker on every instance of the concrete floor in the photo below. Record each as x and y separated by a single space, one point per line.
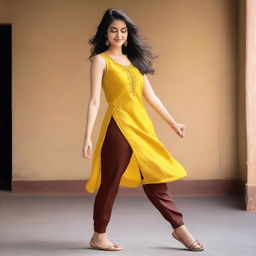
62 225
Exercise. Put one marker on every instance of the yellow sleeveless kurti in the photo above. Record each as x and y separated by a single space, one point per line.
123 88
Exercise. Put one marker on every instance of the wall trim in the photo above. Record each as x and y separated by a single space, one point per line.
250 197
176 188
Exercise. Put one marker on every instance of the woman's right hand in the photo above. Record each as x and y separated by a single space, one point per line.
87 148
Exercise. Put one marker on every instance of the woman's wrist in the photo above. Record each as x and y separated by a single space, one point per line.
86 137
173 124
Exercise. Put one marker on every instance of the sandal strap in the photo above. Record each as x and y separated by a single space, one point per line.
194 243
115 246
192 246
199 243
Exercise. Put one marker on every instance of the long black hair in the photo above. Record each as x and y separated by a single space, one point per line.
137 50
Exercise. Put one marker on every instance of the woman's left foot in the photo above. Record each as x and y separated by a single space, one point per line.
182 235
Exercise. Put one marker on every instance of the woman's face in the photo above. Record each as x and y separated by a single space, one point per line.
117 33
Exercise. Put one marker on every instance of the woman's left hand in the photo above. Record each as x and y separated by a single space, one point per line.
180 129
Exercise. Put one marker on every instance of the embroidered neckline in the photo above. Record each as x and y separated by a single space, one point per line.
117 62
130 73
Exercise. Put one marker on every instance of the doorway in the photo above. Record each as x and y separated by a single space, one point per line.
5 106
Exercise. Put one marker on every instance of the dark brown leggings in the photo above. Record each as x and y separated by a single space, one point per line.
115 156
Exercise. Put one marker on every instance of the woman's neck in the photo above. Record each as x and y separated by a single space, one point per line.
115 51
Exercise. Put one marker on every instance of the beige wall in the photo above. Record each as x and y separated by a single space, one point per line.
196 78
5 11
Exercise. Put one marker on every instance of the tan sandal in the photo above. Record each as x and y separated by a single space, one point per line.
192 246
114 247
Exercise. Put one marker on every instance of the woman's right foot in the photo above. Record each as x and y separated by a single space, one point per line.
100 241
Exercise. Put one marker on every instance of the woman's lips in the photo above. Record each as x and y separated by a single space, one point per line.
118 40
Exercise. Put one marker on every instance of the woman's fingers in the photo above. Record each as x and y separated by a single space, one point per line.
87 151
181 132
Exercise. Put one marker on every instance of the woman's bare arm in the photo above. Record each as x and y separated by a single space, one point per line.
96 73
158 106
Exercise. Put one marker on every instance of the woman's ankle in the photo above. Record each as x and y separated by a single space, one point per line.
99 234
181 227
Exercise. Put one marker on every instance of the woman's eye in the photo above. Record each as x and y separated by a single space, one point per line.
113 31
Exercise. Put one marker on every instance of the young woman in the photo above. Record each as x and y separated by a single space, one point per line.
128 151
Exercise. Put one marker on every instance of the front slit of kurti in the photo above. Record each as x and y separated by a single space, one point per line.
112 116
